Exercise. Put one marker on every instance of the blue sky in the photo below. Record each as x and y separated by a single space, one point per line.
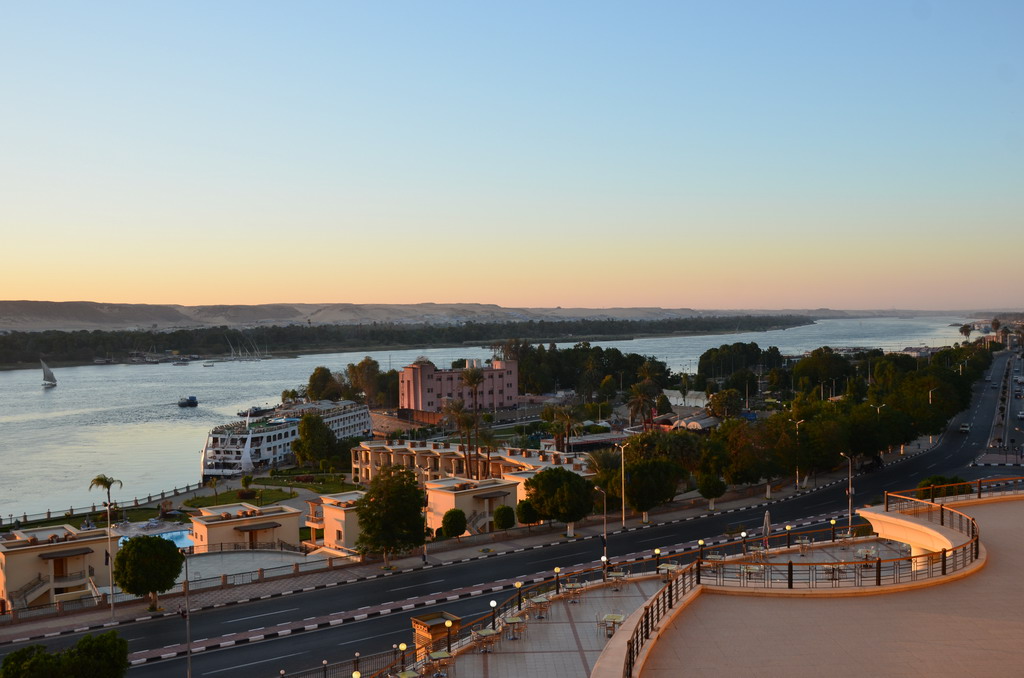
701 154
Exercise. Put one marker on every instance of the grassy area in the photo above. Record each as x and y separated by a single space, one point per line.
322 484
99 518
262 498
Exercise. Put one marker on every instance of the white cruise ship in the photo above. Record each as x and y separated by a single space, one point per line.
256 445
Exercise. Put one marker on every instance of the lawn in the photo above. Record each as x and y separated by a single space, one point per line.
262 498
321 485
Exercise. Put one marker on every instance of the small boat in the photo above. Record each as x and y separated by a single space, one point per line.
182 361
49 381
255 411
188 401
209 363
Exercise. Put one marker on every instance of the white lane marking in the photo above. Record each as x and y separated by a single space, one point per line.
416 586
256 616
262 661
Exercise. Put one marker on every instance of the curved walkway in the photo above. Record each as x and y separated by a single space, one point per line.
970 627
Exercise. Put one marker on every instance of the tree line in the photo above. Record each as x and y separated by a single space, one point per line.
17 347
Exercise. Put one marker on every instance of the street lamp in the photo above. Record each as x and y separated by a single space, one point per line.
188 625
622 464
849 495
448 629
878 410
700 549
604 568
401 648
604 535
798 452
657 558
788 536
833 524
519 596
743 537
494 615
110 560
557 589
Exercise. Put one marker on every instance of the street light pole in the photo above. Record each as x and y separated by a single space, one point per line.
188 626
849 496
110 561
604 535
798 452
622 466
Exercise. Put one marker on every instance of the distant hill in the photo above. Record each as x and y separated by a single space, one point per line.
29 316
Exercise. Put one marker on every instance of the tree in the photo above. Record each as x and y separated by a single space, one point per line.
316 441
489 442
212 483
559 494
526 513
504 517
320 383
106 482
453 523
727 403
147 565
103 655
390 518
711 487
472 377
663 405
650 483
640 404
966 330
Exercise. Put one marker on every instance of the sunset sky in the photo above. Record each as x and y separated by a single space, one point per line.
749 154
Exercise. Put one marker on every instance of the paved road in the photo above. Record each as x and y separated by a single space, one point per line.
952 455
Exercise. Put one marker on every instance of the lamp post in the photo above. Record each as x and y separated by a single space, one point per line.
325 668
657 558
448 630
798 451
878 410
110 559
743 538
604 534
789 542
604 568
849 495
401 648
494 615
356 674
700 549
833 524
188 626
622 466
355 666
519 596
557 588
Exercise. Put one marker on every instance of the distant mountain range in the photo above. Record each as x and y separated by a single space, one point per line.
31 316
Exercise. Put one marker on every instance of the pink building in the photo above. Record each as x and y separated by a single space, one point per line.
421 386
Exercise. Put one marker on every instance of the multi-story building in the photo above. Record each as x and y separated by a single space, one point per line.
46 565
243 525
425 388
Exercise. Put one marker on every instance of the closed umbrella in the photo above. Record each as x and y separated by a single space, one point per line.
767 529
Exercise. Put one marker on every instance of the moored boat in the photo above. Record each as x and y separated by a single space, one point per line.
188 401
49 381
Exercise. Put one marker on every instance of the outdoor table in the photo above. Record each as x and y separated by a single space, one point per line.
513 623
667 569
805 545
487 637
751 570
443 661
615 576
408 673
574 590
541 603
612 622
834 571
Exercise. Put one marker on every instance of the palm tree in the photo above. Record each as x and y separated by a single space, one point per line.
490 443
640 404
966 330
106 482
472 377
566 418
452 412
212 484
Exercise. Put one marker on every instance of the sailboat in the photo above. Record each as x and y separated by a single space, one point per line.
49 381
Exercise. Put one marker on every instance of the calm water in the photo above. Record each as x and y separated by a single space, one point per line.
123 420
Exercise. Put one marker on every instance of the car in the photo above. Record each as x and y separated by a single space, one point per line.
965 428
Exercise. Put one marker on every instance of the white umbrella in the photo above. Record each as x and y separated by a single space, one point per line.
767 529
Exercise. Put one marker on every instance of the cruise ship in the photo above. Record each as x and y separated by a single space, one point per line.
257 445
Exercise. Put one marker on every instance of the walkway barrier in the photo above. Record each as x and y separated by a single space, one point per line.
25 519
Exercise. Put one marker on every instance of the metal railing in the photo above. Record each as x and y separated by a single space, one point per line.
24 519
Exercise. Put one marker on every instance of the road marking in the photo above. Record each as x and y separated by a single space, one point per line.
402 588
262 661
256 616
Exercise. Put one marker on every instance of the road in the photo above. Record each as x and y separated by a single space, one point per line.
952 455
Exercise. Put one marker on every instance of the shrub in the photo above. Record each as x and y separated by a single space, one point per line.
247 494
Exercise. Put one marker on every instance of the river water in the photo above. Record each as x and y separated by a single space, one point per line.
123 420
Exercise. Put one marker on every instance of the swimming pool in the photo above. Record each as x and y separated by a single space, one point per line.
181 538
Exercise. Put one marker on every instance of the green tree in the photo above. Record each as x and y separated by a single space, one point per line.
33 661
727 403
146 566
662 405
453 523
559 494
650 483
504 517
316 441
711 487
322 385
104 655
526 513
389 513
365 377
640 404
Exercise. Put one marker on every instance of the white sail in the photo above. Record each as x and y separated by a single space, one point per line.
48 379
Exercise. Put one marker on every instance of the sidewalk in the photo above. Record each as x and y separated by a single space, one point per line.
100 618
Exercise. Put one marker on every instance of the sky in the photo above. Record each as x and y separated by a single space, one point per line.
712 155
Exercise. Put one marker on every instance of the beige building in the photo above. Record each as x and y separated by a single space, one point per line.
245 526
433 461
476 498
45 565
424 387
335 517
